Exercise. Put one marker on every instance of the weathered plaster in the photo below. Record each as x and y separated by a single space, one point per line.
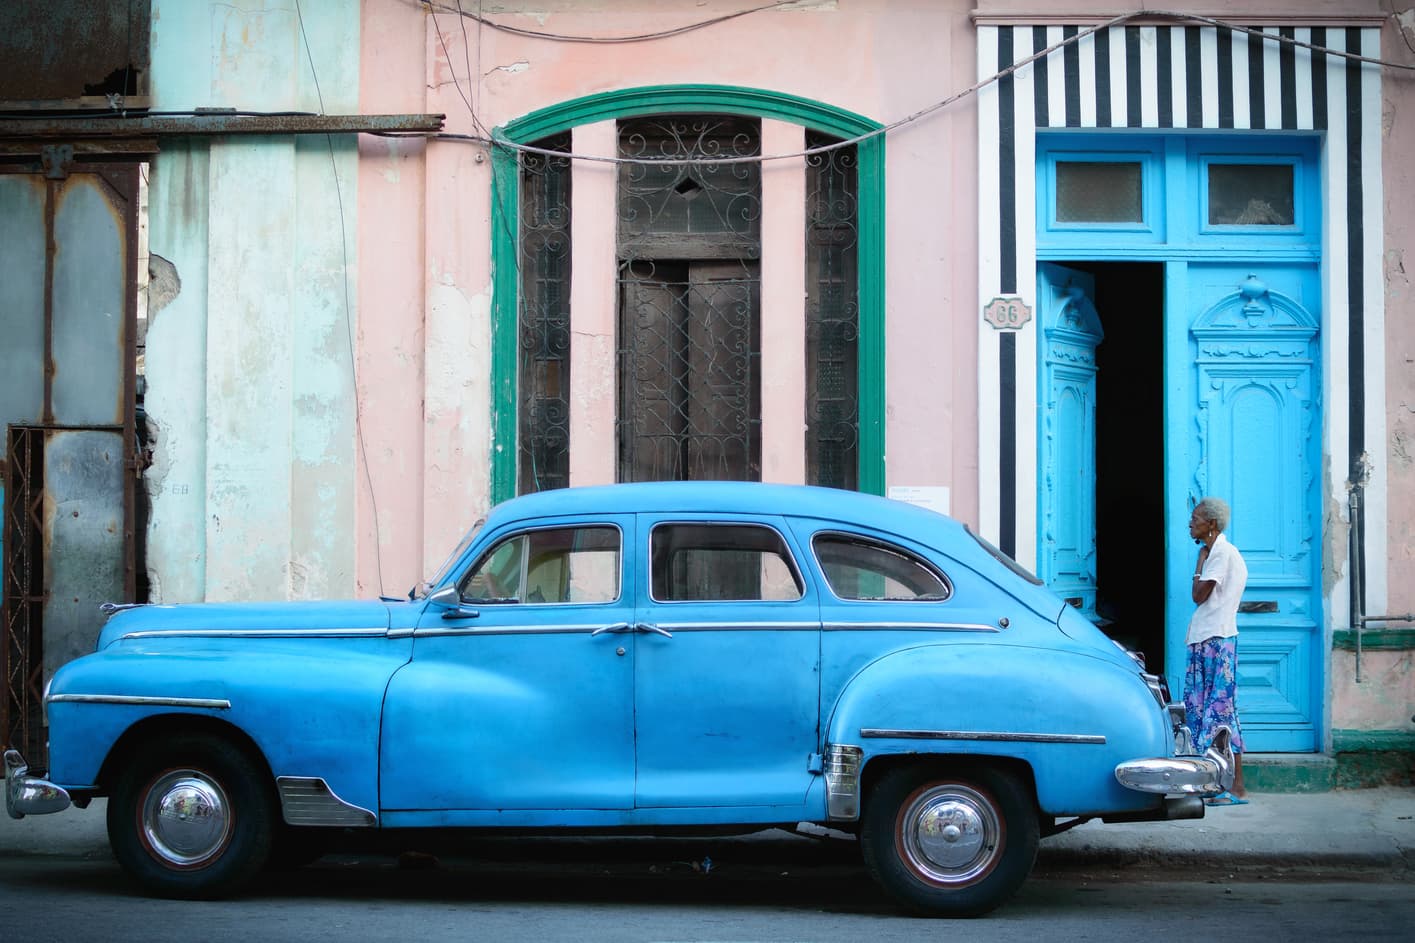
1384 699
256 473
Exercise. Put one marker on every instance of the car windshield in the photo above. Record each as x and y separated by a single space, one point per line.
1004 559
422 589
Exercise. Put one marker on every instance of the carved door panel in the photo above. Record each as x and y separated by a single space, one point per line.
1071 331
1250 436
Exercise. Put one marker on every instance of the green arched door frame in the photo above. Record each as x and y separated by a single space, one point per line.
711 99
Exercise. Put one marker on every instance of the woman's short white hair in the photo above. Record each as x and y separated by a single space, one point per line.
1213 509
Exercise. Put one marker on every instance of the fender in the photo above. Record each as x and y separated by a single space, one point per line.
994 699
335 684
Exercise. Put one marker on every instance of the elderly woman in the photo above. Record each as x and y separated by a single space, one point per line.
1210 680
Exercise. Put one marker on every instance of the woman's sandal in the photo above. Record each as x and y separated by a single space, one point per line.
1225 798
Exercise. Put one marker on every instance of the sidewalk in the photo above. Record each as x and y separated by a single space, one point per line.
1371 831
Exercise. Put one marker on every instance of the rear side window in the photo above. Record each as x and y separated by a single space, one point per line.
722 562
563 565
859 568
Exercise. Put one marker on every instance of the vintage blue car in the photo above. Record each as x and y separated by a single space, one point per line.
646 657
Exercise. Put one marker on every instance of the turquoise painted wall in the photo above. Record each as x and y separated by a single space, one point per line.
249 364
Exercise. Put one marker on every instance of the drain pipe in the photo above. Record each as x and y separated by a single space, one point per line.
1358 576
1359 621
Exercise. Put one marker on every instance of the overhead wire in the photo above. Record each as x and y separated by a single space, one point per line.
608 40
491 139
348 312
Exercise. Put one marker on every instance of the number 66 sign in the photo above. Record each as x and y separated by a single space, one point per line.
1007 314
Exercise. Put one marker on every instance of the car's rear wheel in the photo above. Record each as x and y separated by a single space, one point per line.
949 843
192 818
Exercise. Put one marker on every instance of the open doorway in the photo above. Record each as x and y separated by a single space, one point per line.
1130 471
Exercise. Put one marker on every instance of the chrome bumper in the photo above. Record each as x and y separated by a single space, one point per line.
29 795
1186 775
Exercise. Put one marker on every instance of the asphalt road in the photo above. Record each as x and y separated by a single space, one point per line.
641 897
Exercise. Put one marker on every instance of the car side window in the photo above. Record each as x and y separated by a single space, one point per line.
722 562
860 568
560 565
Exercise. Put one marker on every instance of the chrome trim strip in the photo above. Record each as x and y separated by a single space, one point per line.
440 632
255 633
876 733
905 626
308 800
429 631
809 626
211 703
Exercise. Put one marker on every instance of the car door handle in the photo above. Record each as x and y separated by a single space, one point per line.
614 628
647 627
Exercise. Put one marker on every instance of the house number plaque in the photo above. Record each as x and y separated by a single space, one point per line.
1007 314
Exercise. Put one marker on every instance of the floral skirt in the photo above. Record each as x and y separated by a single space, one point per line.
1210 686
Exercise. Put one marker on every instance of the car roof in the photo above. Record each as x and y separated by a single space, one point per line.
728 497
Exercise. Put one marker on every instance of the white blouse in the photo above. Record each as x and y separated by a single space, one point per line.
1217 616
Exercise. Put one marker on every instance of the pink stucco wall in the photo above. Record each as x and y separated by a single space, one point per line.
424 328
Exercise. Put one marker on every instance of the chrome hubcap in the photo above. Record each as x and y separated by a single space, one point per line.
186 818
950 834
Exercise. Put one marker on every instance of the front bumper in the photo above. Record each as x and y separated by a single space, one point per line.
1203 774
29 795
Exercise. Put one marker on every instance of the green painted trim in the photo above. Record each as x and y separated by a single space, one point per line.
1373 741
505 291
666 99
1373 640
712 99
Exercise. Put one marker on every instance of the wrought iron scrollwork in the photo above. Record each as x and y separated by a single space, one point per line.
832 315
544 321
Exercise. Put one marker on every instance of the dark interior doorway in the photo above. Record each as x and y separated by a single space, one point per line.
1130 470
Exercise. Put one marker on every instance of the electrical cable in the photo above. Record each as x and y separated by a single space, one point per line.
348 313
608 40
492 140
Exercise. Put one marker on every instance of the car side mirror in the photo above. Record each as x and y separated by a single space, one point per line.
449 599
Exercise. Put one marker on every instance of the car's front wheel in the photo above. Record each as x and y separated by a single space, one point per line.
949 844
191 818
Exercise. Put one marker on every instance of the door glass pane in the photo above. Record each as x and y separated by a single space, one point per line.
722 562
564 565
1250 195
1099 192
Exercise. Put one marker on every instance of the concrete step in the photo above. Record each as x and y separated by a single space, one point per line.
1289 772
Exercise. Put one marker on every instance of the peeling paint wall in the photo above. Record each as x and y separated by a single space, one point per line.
250 363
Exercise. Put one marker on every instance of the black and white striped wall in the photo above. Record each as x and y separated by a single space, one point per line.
1186 77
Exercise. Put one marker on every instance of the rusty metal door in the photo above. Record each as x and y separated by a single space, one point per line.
68 311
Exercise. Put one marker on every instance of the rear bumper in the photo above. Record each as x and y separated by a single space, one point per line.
1199 775
29 795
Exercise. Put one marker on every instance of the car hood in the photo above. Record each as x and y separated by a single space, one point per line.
265 618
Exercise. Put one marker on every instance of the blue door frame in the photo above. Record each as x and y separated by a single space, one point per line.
1242 390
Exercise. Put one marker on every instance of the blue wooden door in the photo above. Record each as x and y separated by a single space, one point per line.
1244 425
1071 331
